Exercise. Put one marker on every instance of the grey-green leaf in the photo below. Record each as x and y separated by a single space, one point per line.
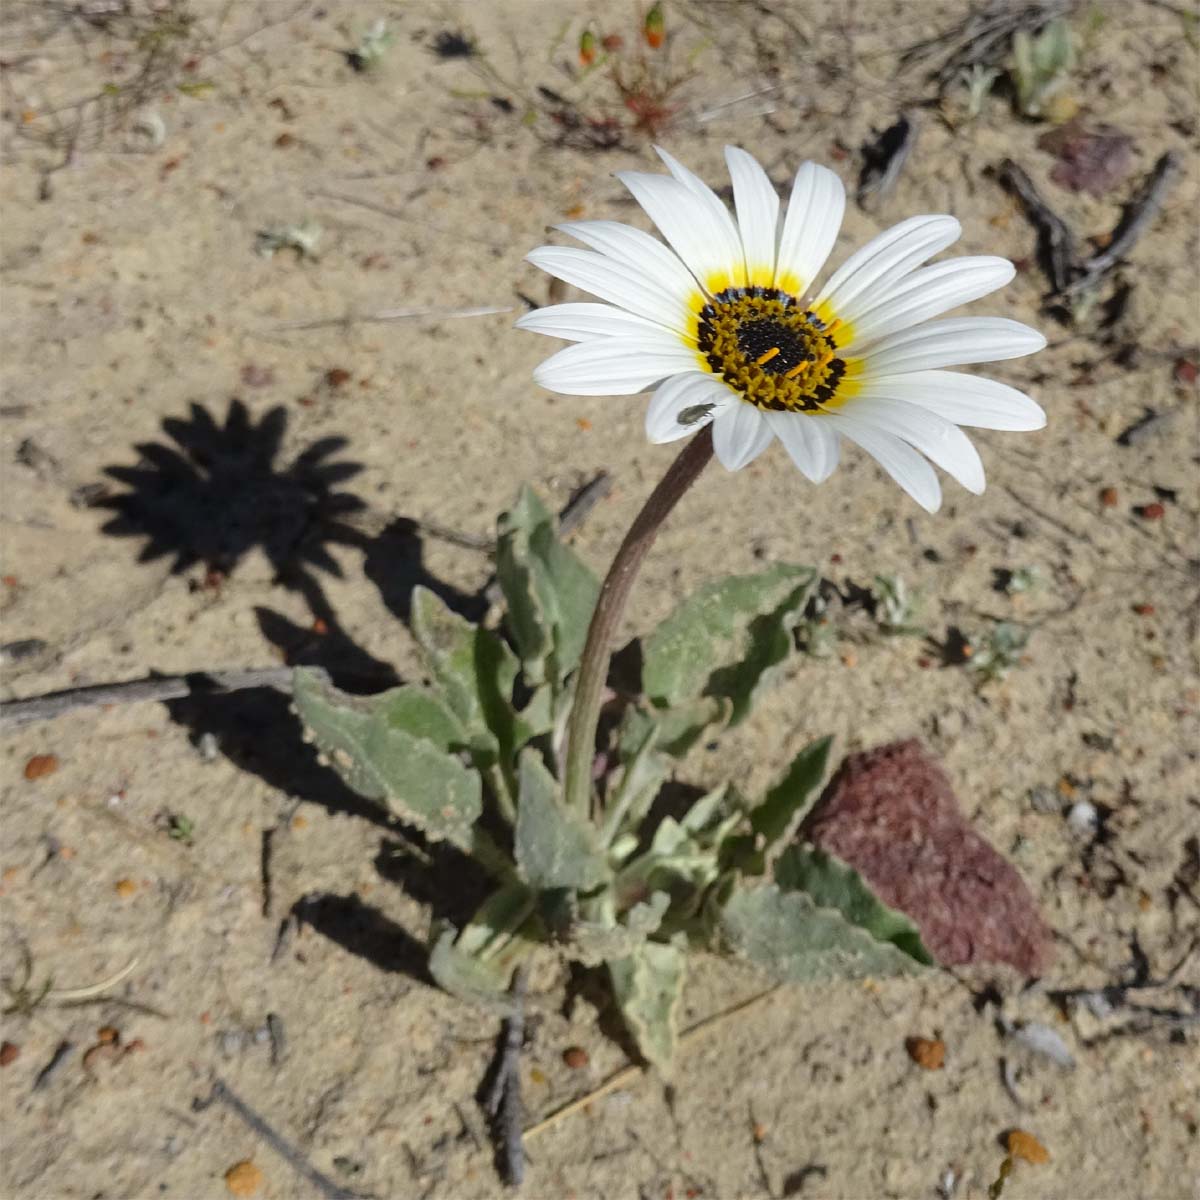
555 847
833 883
726 638
789 935
418 780
648 986
550 592
783 807
679 728
477 964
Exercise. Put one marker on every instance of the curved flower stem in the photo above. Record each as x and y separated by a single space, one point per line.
593 667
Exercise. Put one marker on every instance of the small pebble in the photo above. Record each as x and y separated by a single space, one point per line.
1043 799
243 1178
125 888
207 747
41 765
9 1053
928 1053
1021 1144
576 1057
1083 818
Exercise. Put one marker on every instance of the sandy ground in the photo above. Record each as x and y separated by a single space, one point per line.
135 309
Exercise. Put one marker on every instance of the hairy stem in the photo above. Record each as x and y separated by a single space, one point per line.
614 592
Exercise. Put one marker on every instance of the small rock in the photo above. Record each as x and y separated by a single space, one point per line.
576 1057
1110 497
893 816
243 1178
41 765
1082 818
1150 512
1021 1144
928 1053
1042 1039
125 888
9 1053
1043 799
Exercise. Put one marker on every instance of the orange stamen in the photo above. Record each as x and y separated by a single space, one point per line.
762 359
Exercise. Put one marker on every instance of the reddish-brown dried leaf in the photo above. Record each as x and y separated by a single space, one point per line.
1089 160
892 815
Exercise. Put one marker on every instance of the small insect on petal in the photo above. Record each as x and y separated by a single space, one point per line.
655 27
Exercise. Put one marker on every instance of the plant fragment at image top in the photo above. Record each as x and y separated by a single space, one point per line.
729 324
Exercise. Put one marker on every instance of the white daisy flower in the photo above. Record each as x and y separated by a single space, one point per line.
729 324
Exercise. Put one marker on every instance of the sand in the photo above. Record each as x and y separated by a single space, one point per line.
135 309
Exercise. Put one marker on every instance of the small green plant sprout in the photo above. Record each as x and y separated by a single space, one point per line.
626 880
372 46
991 655
176 826
976 82
302 238
1041 67
1020 580
895 607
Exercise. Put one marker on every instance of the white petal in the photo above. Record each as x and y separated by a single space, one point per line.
579 322
859 281
702 393
740 435
615 366
810 228
964 399
939 440
616 282
689 224
811 442
951 343
722 221
757 205
930 292
639 250
897 458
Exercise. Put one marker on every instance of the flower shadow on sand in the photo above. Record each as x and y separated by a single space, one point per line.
210 494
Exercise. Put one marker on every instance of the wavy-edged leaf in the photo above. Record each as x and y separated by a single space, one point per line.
555 846
473 668
832 883
679 727
727 638
549 592
477 964
593 942
418 780
648 986
786 802
797 941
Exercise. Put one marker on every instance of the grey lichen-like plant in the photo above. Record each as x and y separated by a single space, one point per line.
996 652
477 758
1042 64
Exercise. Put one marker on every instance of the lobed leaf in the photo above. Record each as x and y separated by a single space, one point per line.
648 986
555 846
832 883
726 639
477 964
549 592
800 942
783 807
419 780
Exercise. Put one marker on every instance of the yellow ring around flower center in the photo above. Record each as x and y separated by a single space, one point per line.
778 356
